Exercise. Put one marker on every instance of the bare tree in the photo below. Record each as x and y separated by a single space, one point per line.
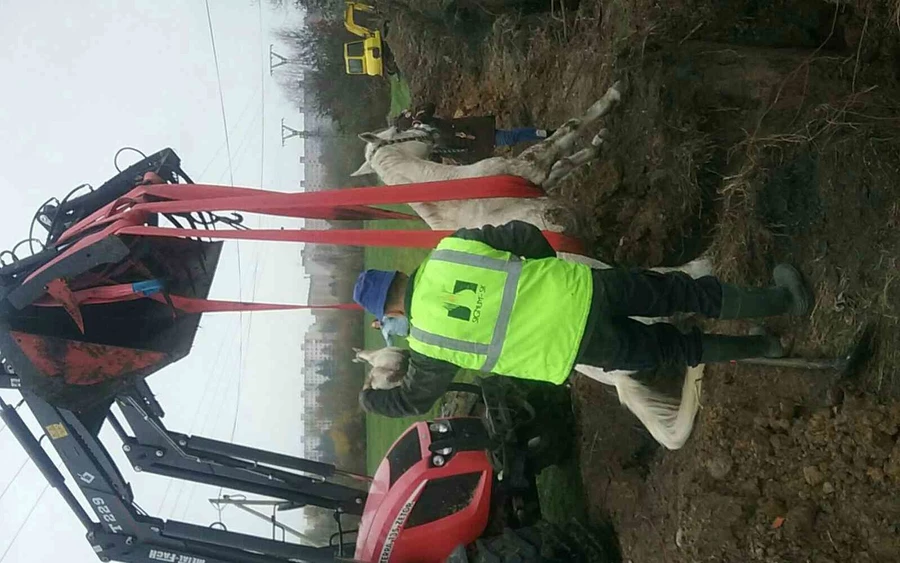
355 103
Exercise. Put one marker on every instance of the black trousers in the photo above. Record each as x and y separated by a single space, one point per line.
614 341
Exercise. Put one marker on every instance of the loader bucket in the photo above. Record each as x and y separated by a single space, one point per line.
78 357
123 340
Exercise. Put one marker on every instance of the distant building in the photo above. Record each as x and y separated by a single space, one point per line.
314 176
329 342
332 271
317 346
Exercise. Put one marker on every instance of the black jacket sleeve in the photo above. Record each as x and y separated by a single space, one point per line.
426 380
521 238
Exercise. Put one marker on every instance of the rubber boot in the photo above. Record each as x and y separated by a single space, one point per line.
787 277
722 348
789 296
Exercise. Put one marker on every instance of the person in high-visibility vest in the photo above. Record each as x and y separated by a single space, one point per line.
497 299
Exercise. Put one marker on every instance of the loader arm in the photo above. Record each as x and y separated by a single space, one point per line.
350 19
119 531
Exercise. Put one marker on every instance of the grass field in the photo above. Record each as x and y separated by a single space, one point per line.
400 95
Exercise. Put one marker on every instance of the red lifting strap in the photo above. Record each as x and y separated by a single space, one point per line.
344 237
126 292
181 198
445 190
128 215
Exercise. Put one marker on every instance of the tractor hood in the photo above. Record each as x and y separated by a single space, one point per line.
423 505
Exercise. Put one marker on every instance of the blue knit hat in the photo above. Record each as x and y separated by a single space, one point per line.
371 290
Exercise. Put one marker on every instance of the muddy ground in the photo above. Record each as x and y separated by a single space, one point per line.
752 132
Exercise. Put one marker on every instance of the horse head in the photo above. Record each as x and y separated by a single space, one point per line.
416 142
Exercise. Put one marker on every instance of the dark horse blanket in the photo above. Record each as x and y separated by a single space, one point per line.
464 139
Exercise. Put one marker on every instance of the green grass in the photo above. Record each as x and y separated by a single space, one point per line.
401 98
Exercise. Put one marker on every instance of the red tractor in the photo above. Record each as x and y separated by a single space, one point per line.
431 493
111 296
463 489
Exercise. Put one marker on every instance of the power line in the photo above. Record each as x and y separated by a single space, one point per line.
207 389
19 404
234 128
239 148
262 141
262 86
22 526
231 173
237 400
13 480
240 367
212 39
219 394
221 384
262 167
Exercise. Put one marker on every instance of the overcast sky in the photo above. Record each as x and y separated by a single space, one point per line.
82 79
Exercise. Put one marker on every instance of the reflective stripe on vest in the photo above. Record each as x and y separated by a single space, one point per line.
513 269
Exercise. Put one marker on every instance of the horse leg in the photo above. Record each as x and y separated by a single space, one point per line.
565 166
603 106
545 153
696 268
670 421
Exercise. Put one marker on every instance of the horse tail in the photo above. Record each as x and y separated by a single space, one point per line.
668 420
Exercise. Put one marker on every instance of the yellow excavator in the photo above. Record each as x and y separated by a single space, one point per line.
371 55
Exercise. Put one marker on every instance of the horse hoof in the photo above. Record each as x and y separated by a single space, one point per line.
571 124
562 165
561 168
600 138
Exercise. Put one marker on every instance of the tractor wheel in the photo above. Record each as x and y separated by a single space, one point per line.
549 448
549 437
541 543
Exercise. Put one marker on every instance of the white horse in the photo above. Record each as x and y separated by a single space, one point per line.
402 158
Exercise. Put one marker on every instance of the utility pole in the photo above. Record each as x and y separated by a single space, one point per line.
275 60
289 133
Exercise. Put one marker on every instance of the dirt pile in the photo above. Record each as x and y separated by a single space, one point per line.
761 480
755 132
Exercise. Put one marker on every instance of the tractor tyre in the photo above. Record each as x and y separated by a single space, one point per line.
541 543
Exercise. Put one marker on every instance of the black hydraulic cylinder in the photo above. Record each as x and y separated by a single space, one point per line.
262 456
43 462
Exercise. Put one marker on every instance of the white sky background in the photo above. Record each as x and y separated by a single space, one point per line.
82 79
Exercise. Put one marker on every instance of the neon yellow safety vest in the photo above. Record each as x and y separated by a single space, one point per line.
485 309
